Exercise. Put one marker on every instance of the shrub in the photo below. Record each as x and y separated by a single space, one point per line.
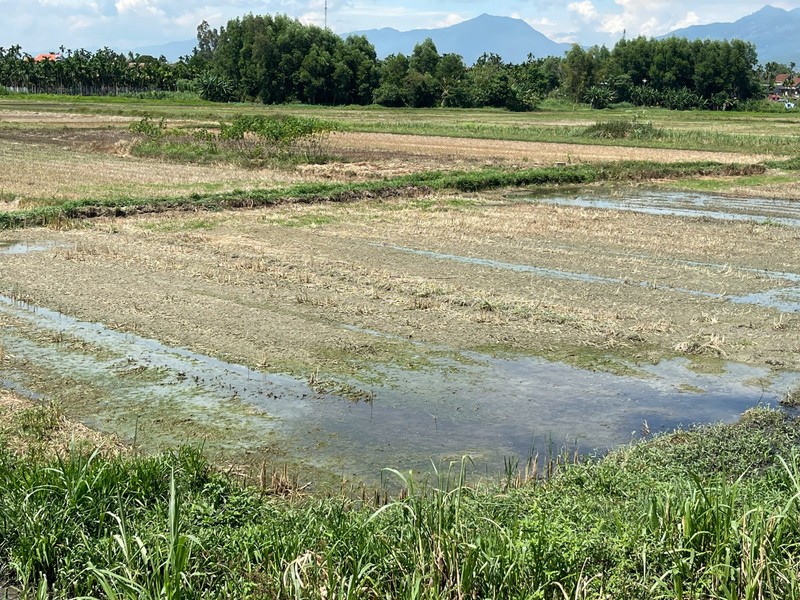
621 128
215 87
148 128
599 96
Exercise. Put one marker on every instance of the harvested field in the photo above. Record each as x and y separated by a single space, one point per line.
87 157
444 149
355 300
398 328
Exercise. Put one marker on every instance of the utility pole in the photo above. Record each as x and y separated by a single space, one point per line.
326 14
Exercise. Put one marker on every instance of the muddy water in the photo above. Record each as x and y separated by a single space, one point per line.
462 403
784 299
685 204
681 204
18 247
468 403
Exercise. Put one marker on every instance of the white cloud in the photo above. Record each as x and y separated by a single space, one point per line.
585 9
649 18
313 18
139 7
450 19
690 19
192 19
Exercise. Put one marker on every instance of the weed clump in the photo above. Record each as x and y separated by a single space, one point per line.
791 398
617 129
250 140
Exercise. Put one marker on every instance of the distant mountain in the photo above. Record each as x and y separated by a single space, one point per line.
172 51
512 39
773 31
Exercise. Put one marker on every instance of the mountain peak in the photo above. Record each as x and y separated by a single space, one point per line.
772 30
512 39
769 11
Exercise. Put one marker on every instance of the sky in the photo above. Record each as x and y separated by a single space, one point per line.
45 25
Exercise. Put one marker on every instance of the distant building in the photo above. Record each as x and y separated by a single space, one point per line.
51 56
786 86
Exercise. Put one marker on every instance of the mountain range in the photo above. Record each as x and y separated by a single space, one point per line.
513 39
771 29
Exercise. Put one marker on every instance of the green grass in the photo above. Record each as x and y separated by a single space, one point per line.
425 182
705 513
719 185
754 132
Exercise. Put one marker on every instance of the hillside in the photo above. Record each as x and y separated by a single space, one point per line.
512 39
771 29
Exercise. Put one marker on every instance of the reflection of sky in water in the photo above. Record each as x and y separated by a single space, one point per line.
685 204
16 247
783 299
468 404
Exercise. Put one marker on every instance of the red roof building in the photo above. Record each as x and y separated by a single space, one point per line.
52 56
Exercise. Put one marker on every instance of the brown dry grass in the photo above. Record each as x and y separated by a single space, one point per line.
39 174
458 150
274 287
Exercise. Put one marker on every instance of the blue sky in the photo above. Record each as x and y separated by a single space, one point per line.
42 25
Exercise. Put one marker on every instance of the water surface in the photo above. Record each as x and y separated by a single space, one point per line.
468 403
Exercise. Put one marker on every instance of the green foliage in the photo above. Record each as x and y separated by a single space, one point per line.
624 128
80 72
148 128
159 570
705 513
599 96
215 88
248 140
275 59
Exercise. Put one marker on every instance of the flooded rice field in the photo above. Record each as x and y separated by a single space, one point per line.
393 334
757 210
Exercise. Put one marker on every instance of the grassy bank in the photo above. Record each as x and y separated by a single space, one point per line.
410 184
705 513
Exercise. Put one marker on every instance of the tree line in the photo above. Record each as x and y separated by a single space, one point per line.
81 72
276 59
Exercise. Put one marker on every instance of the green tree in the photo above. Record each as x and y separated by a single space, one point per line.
355 73
582 70
392 91
451 73
489 82
424 58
